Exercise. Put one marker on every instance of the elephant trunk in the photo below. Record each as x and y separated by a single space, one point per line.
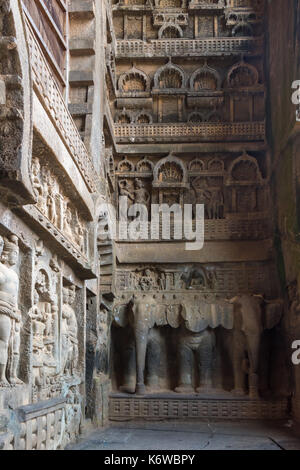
141 340
253 351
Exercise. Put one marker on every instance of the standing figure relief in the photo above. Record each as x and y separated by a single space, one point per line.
69 332
10 315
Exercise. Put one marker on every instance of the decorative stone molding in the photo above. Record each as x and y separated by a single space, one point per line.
240 131
191 47
170 406
16 103
232 279
48 91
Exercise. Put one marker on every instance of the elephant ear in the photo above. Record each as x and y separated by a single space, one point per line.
146 309
222 315
120 315
196 316
199 316
273 314
160 315
174 315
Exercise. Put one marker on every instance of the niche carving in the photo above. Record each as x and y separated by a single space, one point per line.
169 76
242 75
134 81
205 79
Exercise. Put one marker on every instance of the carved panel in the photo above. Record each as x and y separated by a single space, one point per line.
54 204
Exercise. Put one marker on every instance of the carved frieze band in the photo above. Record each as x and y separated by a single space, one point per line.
204 131
193 47
198 280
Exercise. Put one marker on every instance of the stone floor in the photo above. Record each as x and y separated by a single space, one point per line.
243 435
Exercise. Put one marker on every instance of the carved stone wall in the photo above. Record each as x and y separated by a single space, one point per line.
164 102
190 128
51 185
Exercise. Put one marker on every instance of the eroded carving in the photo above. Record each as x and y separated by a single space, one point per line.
10 315
69 332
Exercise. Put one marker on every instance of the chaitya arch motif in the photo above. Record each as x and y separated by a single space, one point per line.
145 166
205 79
242 75
126 166
169 76
134 81
123 118
143 118
242 29
169 3
170 31
245 169
197 165
170 170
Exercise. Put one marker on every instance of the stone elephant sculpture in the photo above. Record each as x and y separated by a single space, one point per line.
197 338
252 316
143 313
196 321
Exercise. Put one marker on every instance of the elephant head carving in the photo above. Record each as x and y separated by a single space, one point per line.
120 314
253 314
199 316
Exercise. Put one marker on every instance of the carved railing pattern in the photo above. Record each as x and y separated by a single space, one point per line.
226 229
48 91
253 4
137 48
253 130
207 3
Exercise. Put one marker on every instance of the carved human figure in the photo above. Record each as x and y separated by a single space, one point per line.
38 329
69 332
68 218
45 178
216 204
202 194
126 190
80 232
10 317
193 277
49 313
51 202
146 279
141 194
36 181
101 347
